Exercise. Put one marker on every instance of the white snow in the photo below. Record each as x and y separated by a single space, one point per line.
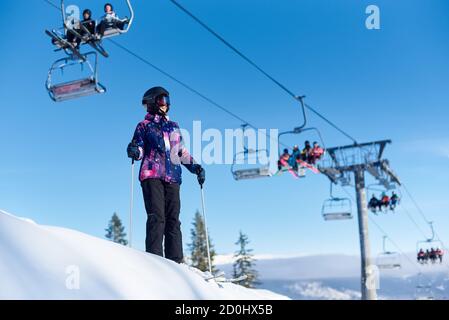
230 259
316 290
42 262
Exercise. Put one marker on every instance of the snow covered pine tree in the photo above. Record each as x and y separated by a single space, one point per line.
244 263
116 231
198 246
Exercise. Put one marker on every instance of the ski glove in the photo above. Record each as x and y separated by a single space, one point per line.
201 175
133 151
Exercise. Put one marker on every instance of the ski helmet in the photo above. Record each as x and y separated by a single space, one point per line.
150 99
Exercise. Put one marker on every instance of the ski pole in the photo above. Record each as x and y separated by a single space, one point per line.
205 228
131 206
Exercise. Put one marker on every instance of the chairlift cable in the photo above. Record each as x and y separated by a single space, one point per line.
183 84
232 114
421 212
52 4
227 110
384 233
415 203
260 69
191 89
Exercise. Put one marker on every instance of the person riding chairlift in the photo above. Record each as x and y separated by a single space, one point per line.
385 200
283 159
394 200
433 255
75 25
439 254
88 24
306 152
374 203
421 256
110 20
296 154
316 153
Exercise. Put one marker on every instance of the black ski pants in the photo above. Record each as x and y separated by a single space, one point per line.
163 205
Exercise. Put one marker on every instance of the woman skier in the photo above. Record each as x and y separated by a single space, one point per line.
158 143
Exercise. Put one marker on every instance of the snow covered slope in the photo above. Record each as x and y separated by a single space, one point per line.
41 262
337 276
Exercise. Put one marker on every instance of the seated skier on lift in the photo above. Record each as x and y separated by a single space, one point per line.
88 24
433 255
316 153
306 152
385 200
296 154
283 159
75 25
374 203
394 200
110 20
439 254
421 256
70 24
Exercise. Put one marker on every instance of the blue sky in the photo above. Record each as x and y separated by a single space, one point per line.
65 164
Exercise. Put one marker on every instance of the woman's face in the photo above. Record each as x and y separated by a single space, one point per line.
163 108
86 16
107 9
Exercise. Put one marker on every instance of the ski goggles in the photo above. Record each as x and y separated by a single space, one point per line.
163 100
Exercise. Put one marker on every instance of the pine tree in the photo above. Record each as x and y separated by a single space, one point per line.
244 263
116 231
198 246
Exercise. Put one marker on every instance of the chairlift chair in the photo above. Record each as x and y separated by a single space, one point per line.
429 243
423 289
388 259
335 208
74 88
90 39
301 129
253 172
113 31
241 169
378 189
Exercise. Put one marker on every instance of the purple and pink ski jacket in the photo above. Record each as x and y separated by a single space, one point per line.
162 150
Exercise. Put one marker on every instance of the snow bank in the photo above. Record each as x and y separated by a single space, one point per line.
42 262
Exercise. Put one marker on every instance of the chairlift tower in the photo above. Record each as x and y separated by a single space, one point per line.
357 159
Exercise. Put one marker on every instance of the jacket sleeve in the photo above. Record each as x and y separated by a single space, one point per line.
138 138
